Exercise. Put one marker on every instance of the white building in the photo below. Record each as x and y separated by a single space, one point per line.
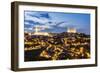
71 30
38 31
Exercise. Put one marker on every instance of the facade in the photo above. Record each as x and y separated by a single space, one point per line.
71 30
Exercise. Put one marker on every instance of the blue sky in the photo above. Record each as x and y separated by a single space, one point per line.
56 22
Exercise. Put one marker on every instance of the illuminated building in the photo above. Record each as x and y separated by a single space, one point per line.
37 31
71 30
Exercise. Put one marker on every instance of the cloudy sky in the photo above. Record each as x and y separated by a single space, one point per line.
56 22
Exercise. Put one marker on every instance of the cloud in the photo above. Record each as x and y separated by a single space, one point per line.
45 15
34 19
37 14
42 19
62 24
65 24
28 29
27 22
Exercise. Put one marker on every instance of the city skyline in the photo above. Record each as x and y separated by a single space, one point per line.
56 22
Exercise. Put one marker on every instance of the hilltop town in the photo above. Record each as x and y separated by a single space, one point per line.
56 46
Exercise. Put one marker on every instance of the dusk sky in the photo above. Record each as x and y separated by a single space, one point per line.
56 22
